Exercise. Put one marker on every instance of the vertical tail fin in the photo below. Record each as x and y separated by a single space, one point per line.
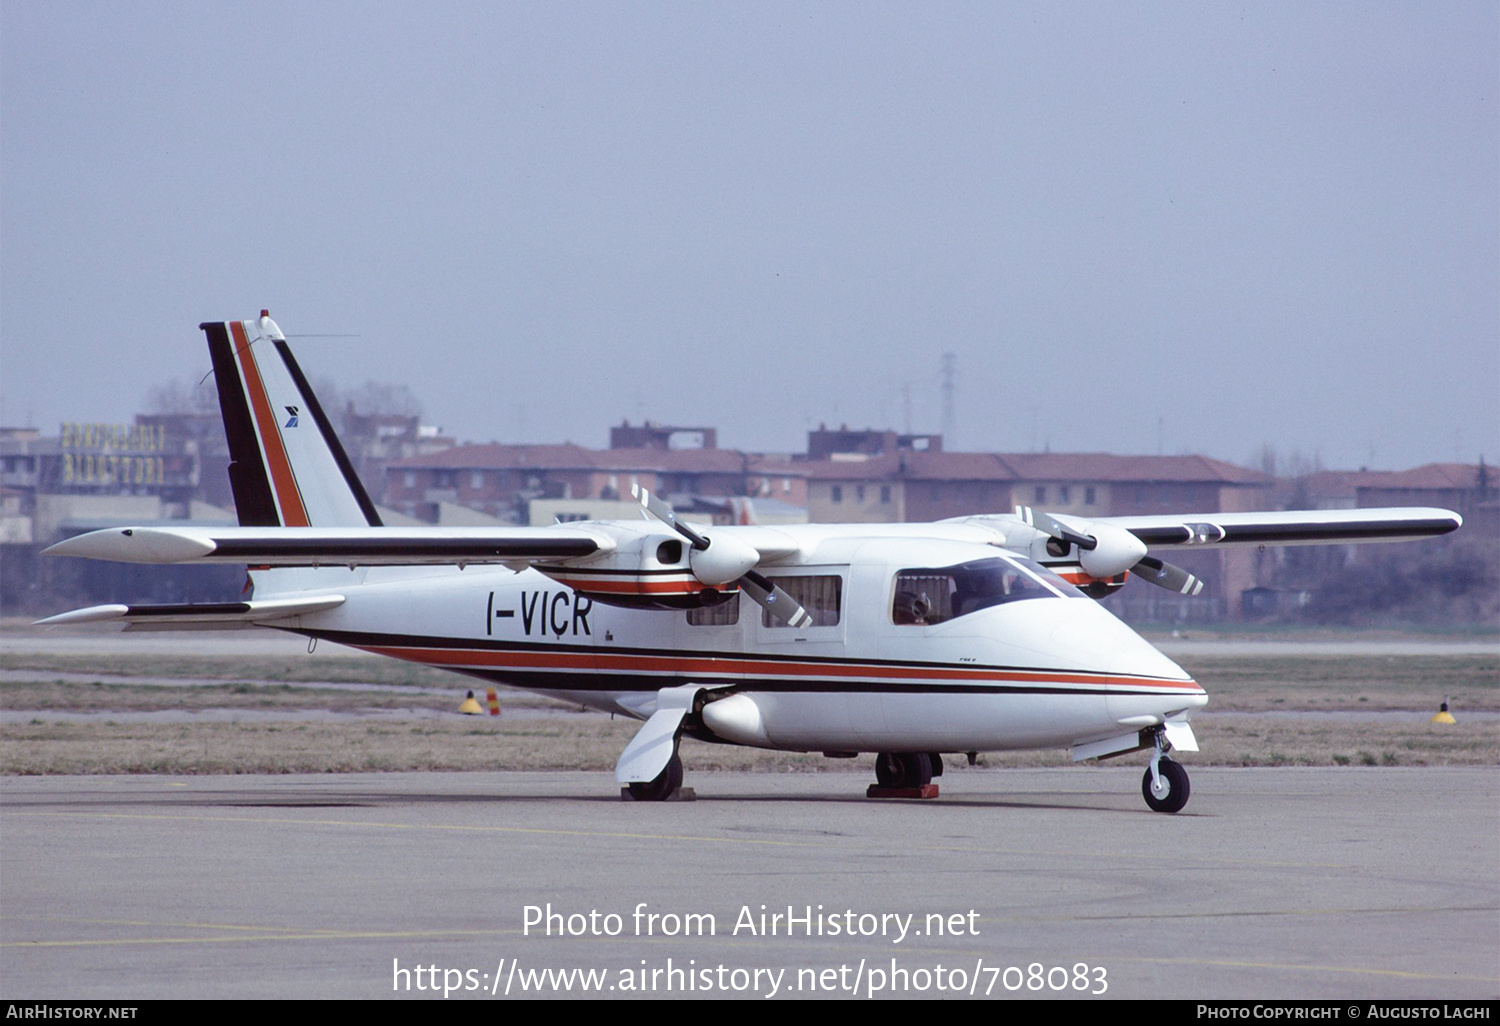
287 467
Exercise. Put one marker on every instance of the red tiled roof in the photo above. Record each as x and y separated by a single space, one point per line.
576 457
1089 466
1434 476
913 466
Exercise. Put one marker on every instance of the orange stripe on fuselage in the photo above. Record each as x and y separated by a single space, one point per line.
584 660
293 513
628 586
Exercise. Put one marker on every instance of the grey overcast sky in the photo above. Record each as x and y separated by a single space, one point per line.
1184 227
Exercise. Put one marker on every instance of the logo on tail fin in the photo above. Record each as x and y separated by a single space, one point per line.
292 421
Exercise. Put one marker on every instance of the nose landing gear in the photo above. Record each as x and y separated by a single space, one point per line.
1165 785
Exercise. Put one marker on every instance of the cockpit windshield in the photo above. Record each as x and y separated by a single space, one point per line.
933 595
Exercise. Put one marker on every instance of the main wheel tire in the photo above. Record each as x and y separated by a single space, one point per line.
903 769
918 769
1174 787
663 787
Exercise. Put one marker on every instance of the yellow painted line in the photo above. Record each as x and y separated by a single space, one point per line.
427 826
1175 858
318 935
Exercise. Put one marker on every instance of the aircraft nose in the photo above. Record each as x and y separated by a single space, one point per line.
1145 687
1099 641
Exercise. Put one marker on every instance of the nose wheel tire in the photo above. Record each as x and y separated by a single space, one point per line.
1172 794
663 787
903 769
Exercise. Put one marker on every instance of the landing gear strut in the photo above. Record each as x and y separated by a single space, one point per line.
1165 785
903 769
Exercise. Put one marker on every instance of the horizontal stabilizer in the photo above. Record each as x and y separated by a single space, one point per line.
196 616
347 546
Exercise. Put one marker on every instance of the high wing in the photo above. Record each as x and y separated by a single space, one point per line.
1105 549
1291 527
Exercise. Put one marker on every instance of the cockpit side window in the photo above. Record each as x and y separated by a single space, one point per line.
933 595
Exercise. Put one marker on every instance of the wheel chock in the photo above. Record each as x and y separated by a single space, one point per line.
925 791
1443 716
469 707
682 794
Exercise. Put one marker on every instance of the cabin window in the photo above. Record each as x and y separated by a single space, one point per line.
822 596
719 615
933 595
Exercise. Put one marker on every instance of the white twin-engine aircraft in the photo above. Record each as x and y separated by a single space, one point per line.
908 640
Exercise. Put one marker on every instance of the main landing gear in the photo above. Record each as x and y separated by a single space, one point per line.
907 772
1165 785
666 784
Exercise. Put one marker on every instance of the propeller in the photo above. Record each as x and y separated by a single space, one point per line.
1111 550
725 560
1165 575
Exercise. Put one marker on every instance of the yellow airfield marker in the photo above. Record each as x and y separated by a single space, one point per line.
1443 716
471 707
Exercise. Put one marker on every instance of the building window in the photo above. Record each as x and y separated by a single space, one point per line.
1088 496
1041 493
838 493
1064 494
859 493
476 480
409 479
885 494
786 484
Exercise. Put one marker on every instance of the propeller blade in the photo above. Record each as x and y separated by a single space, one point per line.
1165 575
663 512
1049 525
774 600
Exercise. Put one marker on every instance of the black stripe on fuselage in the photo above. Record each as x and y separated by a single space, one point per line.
361 639
577 680
254 503
329 437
